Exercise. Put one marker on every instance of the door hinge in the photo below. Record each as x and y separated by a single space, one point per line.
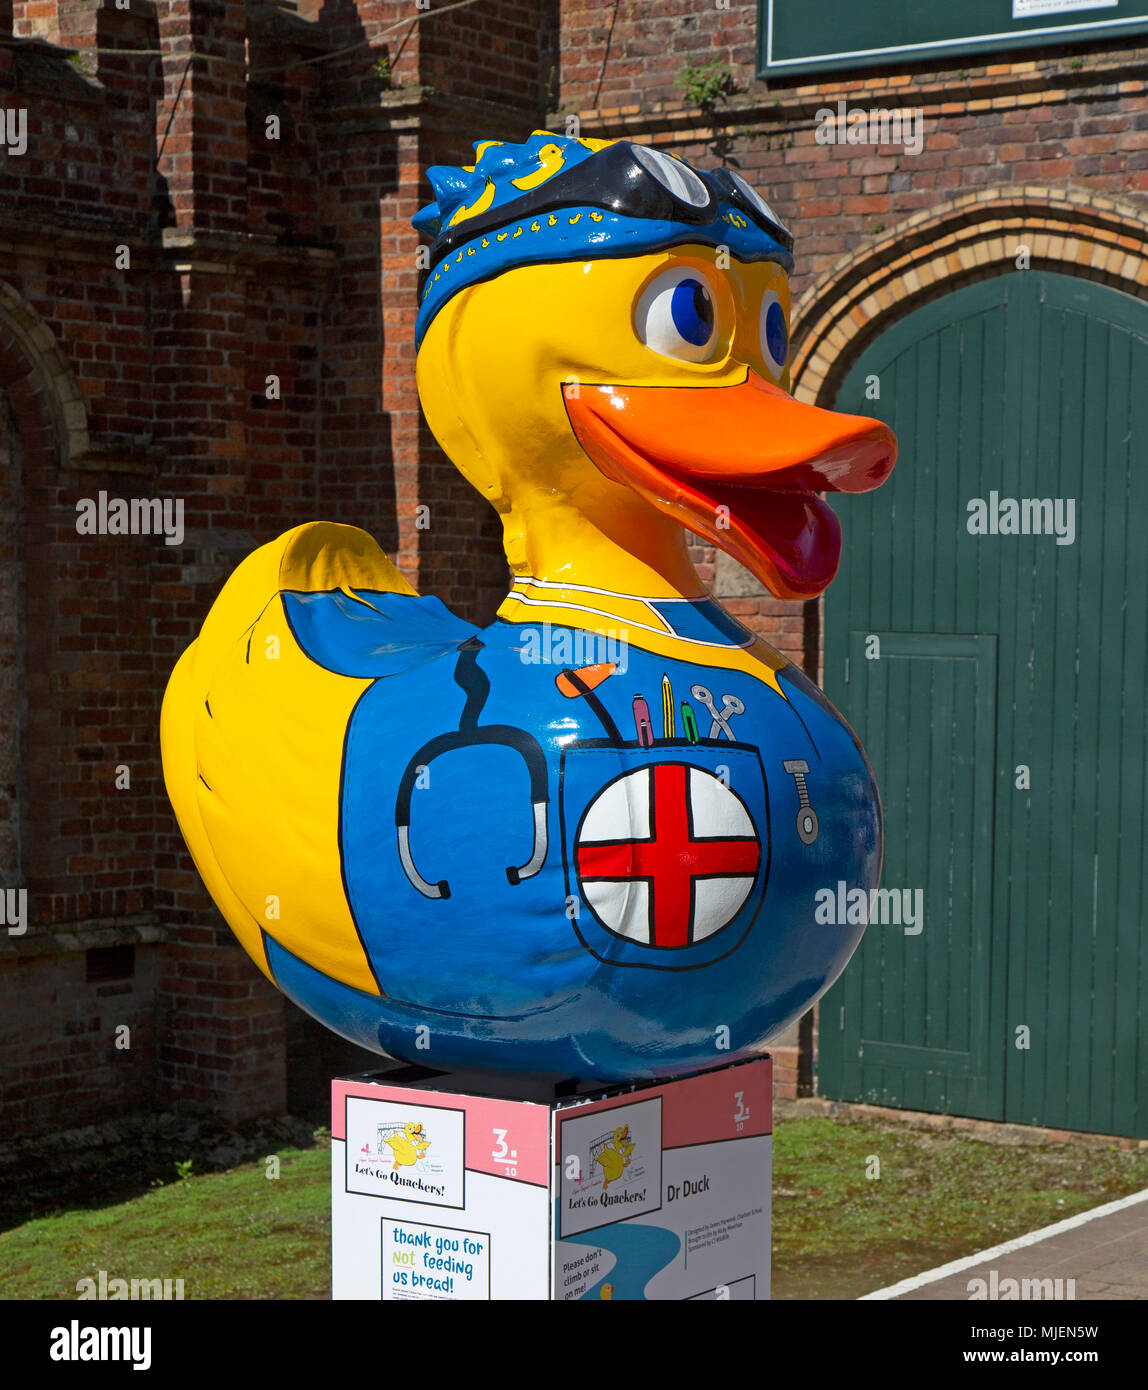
842 1017
846 670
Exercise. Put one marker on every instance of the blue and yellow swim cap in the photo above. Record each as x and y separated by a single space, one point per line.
556 198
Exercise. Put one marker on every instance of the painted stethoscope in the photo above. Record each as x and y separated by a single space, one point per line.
475 684
473 681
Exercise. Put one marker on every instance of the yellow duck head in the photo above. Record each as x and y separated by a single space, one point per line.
605 357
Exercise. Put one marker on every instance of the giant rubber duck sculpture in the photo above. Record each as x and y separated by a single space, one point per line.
585 841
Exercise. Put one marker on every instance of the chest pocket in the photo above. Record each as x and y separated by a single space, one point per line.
666 848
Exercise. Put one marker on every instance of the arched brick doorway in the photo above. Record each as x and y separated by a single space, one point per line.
971 238
43 425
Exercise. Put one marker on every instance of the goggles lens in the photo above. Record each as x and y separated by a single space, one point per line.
678 179
755 200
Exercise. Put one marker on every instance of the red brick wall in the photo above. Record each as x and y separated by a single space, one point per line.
58 1043
13 678
497 51
629 54
250 257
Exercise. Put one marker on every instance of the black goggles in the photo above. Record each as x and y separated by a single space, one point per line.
633 181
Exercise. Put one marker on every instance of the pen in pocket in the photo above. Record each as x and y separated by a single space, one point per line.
642 725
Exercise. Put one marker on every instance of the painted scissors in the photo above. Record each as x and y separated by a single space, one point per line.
731 705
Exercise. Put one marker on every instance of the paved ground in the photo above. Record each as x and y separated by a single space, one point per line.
1105 1251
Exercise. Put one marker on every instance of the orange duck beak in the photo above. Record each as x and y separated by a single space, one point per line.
740 466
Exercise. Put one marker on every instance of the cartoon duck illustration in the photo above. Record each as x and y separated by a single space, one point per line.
585 840
606 1291
614 1156
409 1146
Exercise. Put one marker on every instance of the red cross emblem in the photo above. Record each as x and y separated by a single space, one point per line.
667 855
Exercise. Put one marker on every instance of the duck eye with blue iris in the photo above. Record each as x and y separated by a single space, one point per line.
774 333
676 316
692 311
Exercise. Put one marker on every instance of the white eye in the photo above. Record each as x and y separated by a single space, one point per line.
774 333
676 316
674 176
755 199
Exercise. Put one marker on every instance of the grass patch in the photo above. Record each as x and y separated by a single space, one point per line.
226 1235
837 1234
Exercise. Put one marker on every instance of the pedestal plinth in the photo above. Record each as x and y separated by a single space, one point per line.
450 1187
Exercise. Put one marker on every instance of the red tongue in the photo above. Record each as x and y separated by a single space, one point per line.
799 530
789 538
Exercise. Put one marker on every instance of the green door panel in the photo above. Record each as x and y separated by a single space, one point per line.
911 1024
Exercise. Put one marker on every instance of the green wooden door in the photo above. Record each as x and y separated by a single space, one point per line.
1005 713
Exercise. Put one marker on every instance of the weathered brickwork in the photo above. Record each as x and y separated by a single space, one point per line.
207 293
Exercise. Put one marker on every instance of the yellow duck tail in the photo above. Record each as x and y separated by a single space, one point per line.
251 735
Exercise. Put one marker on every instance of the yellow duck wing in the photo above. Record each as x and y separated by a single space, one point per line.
611 1162
252 733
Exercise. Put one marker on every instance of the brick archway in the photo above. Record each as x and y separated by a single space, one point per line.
49 408
13 682
973 237
43 428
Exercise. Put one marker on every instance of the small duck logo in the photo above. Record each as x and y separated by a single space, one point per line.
606 1291
408 1145
614 1156
551 158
